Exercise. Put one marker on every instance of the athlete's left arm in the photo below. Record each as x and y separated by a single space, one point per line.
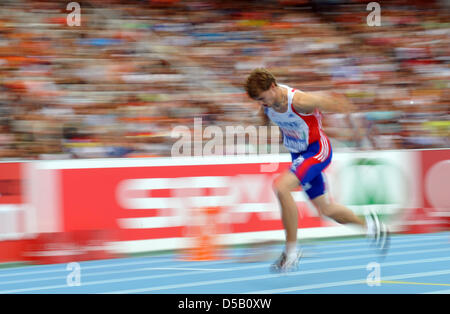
306 102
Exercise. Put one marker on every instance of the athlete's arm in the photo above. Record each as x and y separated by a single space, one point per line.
306 102
327 101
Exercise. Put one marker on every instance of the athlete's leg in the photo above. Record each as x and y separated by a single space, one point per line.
283 187
374 229
337 212
310 173
316 191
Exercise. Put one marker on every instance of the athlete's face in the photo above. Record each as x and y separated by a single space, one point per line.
268 97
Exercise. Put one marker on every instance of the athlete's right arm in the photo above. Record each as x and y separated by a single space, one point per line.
306 102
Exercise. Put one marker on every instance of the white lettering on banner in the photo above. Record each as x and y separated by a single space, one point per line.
241 195
150 222
250 186
10 217
194 185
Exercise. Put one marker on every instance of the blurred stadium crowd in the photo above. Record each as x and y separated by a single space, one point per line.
118 84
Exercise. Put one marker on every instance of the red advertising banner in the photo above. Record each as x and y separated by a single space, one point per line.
11 214
150 203
154 202
10 183
434 213
436 179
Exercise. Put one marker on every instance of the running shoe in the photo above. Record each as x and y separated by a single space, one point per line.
283 264
380 235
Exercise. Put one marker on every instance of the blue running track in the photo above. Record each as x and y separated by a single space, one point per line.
415 264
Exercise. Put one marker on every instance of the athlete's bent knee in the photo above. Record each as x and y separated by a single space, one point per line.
281 186
326 210
331 212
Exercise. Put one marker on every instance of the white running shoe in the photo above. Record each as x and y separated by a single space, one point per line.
378 232
284 264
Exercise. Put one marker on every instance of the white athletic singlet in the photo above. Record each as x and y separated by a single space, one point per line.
299 129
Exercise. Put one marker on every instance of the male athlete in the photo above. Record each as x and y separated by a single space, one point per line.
298 115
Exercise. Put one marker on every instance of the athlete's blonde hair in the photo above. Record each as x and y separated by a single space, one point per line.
259 81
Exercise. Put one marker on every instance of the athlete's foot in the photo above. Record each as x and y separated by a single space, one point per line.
384 239
378 232
286 264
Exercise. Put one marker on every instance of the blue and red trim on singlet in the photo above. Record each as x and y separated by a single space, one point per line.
309 165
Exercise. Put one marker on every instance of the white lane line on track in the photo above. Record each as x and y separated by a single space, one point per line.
101 282
63 276
360 241
350 282
184 268
396 238
260 277
55 268
439 292
120 271
30 270
393 247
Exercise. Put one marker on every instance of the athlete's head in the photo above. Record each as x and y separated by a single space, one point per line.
261 86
